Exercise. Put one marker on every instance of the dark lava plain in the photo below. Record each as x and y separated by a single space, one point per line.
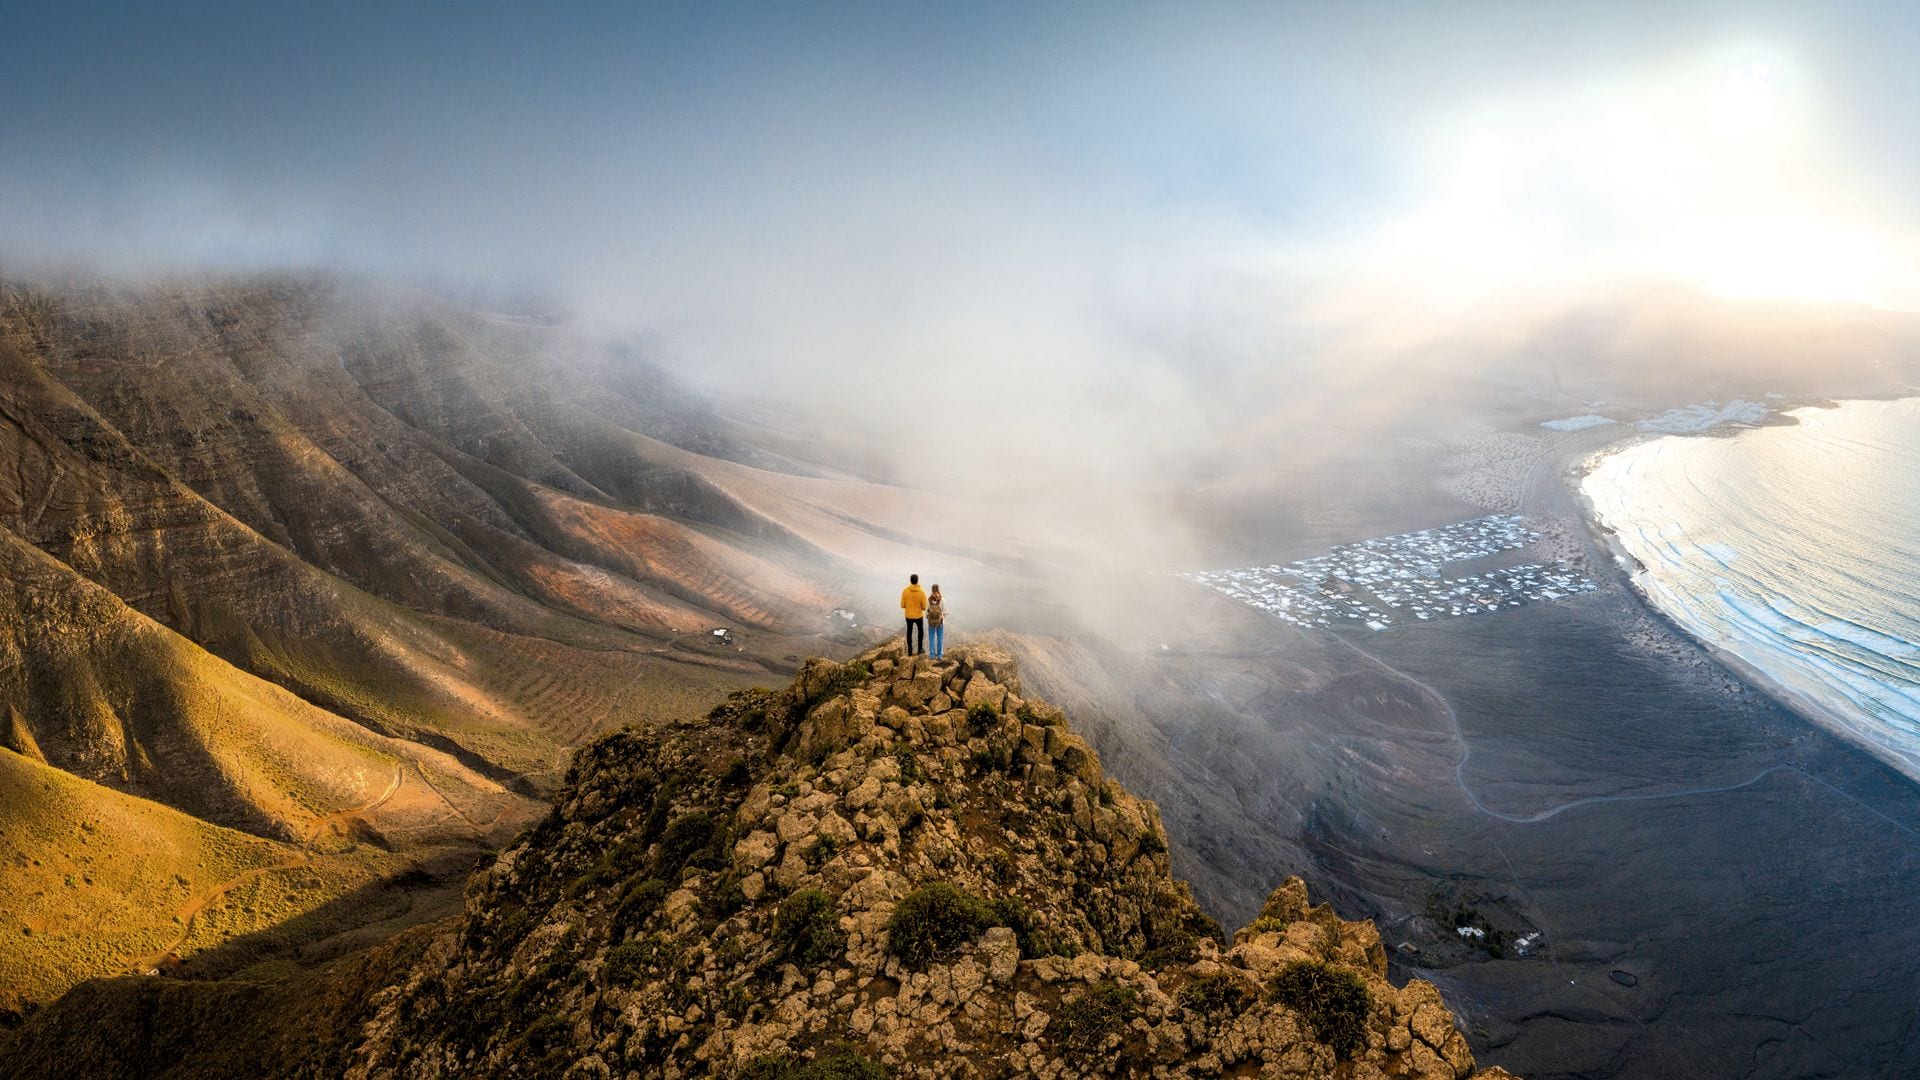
1719 887
1771 929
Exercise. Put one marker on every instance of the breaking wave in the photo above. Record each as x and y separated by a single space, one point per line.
1794 549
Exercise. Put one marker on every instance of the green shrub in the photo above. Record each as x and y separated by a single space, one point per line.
658 811
627 963
621 861
725 898
806 931
1173 929
686 835
1027 714
1333 1001
1206 926
515 923
1003 867
1215 996
640 901
982 719
549 1031
1010 912
933 922
1084 1021
820 851
523 994
1174 947
909 765
996 756
1013 913
737 1002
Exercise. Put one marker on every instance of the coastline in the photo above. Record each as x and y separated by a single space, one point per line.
1625 569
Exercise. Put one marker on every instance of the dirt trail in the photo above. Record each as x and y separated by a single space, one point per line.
479 827
150 964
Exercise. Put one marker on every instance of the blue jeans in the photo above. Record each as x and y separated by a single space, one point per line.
937 640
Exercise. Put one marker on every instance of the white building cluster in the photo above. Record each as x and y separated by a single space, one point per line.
1481 593
1398 578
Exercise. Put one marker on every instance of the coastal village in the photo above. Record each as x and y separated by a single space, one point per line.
1397 579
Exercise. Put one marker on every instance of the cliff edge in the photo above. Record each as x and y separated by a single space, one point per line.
895 867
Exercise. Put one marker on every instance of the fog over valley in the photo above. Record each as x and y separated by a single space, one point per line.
1419 494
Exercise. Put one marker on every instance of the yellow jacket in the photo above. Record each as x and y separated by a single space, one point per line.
913 601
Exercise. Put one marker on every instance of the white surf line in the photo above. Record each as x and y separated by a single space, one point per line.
1466 755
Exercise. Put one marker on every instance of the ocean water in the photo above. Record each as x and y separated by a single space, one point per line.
1795 549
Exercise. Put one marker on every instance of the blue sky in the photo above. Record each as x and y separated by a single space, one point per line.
360 131
816 183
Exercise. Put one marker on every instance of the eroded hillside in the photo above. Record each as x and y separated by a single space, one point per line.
352 574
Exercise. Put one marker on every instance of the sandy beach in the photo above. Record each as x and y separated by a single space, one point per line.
1626 569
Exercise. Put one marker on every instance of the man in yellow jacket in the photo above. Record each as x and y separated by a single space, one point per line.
913 601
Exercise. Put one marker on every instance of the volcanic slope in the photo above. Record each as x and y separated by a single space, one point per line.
286 549
897 866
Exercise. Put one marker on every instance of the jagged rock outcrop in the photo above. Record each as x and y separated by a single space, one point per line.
898 866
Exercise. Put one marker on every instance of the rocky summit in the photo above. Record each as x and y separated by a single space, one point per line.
898 866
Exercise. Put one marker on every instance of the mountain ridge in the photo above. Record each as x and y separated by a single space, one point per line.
269 539
895 866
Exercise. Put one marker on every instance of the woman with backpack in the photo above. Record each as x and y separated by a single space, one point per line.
936 629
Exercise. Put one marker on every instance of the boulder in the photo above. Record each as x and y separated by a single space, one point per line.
984 691
755 850
995 663
915 692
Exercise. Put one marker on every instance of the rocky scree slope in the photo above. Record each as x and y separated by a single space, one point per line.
898 866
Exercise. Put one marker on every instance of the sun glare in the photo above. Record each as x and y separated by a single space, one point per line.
1712 173
1778 259
1749 95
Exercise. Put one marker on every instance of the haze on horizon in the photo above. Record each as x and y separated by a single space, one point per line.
854 204
312 534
